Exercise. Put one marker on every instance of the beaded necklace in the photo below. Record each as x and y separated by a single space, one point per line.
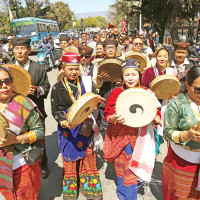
71 92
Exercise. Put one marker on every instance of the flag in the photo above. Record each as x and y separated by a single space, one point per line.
124 26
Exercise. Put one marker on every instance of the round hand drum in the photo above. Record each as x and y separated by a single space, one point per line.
113 68
82 108
137 106
21 78
165 86
4 126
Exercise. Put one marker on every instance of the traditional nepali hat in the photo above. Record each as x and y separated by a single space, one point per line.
130 63
110 42
85 50
22 80
125 38
64 39
70 58
181 45
21 41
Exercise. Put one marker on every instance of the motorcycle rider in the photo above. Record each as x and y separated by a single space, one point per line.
45 45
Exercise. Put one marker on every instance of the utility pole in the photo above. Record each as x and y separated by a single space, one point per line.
140 20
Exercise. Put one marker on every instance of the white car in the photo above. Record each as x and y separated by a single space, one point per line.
63 34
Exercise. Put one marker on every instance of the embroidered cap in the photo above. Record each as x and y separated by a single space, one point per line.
70 58
85 50
181 45
130 63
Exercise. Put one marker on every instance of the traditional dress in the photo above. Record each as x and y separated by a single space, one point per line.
181 165
119 144
19 180
79 161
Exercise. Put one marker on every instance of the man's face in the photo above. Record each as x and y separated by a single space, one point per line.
97 38
180 55
110 51
126 43
21 53
76 43
84 59
48 37
63 44
137 45
84 37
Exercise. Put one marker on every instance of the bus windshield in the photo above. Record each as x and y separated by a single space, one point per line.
23 28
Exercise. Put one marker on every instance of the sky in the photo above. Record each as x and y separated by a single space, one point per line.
82 6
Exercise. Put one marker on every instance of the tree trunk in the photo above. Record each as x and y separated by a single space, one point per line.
174 32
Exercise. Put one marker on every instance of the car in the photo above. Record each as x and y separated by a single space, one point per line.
68 33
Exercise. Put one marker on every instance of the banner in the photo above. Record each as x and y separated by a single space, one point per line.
124 26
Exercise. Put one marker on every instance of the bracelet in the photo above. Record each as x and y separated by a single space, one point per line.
23 139
182 137
32 137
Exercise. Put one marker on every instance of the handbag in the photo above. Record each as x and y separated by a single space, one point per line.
86 127
37 150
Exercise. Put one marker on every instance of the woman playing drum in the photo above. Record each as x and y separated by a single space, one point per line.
162 58
181 165
18 180
79 161
120 139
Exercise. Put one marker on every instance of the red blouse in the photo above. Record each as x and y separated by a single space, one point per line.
118 136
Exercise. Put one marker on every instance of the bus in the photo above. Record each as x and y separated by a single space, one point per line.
34 28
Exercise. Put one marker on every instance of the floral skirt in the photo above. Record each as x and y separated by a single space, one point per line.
82 175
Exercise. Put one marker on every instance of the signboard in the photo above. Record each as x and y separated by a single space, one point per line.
24 23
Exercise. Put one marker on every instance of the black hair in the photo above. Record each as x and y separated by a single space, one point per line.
75 38
163 48
99 43
95 35
192 74
7 71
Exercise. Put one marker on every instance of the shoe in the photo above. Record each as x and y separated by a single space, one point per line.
45 173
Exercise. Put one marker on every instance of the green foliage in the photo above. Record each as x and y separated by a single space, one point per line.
93 22
60 12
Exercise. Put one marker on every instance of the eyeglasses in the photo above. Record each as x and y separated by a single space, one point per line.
84 56
196 90
138 44
7 81
110 48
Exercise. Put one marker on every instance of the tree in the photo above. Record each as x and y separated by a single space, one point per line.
60 12
123 9
164 14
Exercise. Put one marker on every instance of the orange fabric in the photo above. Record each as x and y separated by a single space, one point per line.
27 183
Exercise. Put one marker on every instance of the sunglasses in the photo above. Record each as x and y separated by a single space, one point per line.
196 90
138 44
84 56
7 81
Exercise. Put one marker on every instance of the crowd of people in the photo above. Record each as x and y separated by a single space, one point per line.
131 149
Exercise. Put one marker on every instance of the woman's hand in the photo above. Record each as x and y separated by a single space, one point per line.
66 124
116 119
192 134
10 139
157 120
101 100
101 76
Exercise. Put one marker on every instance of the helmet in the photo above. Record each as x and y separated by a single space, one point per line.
45 41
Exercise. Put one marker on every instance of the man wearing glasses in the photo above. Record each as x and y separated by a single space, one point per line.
85 64
105 87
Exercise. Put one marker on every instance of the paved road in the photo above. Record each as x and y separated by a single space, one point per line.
52 187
